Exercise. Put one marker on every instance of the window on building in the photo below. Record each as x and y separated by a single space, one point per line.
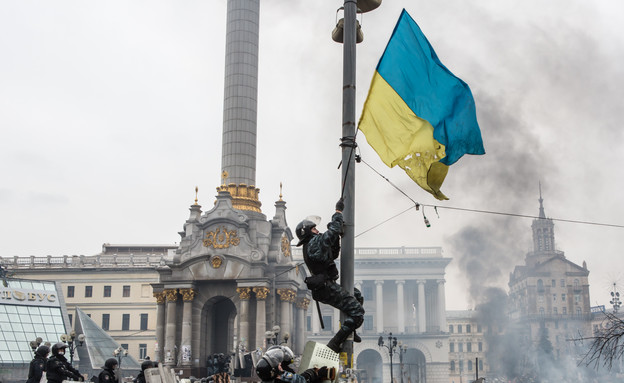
459 329
470 365
107 291
453 365
451 328
70 291
143 322
125 322
452 347
142 350
367 293
89 315
126 291
71 318
88 291
542 311
105 322
540 285
461 366
577 298
563 298
578 311
480 365
124 346
469 347
576 283
554 283
368 323
554 297
327 321
460 347
468 328
564 311
562 283
555 311
480 346
308 323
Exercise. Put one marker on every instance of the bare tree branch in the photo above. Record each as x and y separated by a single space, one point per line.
607 344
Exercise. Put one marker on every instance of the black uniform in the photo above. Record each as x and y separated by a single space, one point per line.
144 366
38 365
108 372
319 253
107 376
59 369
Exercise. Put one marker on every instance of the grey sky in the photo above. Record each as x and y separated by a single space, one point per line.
111 113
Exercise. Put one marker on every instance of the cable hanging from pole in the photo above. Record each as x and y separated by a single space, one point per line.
436 207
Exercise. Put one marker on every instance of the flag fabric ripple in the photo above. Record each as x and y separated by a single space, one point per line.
418 115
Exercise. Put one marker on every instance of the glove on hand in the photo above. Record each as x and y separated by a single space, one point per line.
310 375
340 205
325 373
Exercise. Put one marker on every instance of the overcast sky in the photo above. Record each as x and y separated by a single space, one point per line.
111 114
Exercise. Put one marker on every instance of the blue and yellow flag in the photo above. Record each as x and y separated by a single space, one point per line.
418 115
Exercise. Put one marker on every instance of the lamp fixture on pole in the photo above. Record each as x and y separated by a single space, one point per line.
615 300
119 353
73 341
391 346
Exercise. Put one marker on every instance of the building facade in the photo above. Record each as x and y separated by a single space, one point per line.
467 346
549 300
113 288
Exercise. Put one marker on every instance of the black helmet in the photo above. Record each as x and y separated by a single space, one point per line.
265 371
147 364
110 363
58 346
42 350
304 231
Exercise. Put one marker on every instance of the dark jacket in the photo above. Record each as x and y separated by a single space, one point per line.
59 369
321 250
288 377
107 376
140 377
37 367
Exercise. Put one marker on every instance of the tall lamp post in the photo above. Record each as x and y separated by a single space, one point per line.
391 346
71 339
119 353
615 300
402 350
347 258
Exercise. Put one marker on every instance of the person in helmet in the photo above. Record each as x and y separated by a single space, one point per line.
38 364
58 368
276 366
144 366
320 250
108 375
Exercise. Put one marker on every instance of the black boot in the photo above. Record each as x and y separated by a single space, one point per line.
356 337
336 341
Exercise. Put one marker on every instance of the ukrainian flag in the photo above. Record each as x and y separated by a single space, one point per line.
418 115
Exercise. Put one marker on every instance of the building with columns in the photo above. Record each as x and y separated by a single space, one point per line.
403 290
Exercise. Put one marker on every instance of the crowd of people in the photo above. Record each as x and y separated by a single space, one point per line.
57 368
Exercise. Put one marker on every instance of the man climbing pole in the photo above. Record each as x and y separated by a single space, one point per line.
319 252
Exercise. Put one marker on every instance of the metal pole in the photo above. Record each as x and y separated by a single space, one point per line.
347 258
391 374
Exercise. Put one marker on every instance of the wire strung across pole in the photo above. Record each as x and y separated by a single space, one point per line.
476 210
